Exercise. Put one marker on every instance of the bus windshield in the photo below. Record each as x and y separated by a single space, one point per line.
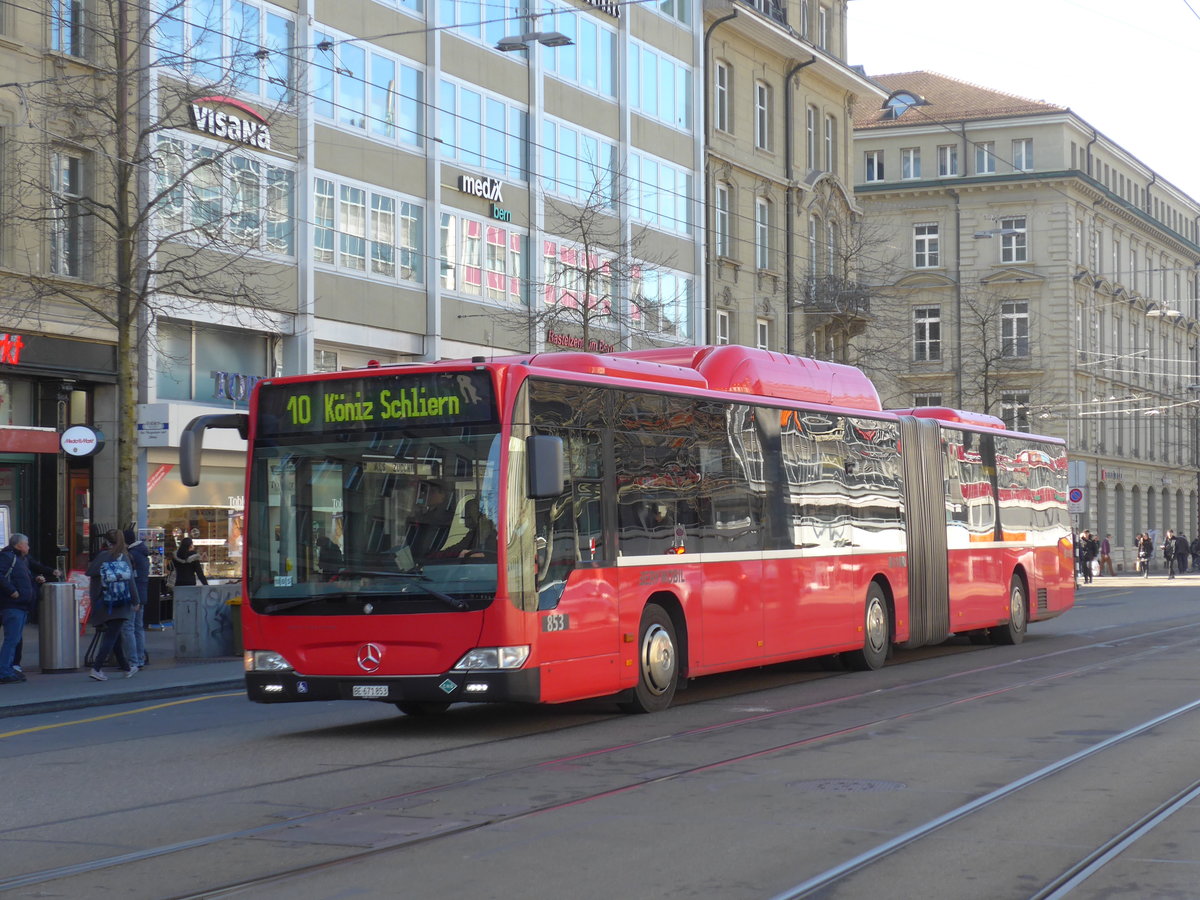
372 515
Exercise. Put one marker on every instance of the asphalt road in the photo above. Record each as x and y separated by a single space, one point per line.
1059 767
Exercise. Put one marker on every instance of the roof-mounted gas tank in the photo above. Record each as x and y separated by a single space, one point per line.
956 416
747 370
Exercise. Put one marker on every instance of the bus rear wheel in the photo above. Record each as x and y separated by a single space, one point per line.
877 633
658 663
1018 615
422 707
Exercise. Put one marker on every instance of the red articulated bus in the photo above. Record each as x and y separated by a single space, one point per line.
554 527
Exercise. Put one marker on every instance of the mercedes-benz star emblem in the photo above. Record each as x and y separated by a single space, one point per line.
370 656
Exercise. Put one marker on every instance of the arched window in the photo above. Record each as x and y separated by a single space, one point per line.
900 102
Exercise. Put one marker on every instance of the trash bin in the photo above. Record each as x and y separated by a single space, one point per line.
58 628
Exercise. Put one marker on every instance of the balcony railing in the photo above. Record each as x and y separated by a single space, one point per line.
835 296
777 12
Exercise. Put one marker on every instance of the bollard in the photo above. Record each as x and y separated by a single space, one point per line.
58 628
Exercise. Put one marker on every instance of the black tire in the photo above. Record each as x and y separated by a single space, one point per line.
877 633
658 663
1013 631
422 707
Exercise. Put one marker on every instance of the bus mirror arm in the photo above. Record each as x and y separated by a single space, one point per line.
191 441
544 455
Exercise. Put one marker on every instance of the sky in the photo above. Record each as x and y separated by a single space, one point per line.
1129 69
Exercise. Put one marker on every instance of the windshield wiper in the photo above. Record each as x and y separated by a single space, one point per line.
291 604
452 602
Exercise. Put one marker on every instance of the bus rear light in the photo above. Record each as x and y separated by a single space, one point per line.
494 658
265 661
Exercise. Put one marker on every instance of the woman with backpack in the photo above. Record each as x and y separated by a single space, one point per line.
114 599
187 565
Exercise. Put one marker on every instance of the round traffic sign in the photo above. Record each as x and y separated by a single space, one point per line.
1076 495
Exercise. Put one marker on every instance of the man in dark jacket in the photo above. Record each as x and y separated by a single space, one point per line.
134 629
1181 553
20 575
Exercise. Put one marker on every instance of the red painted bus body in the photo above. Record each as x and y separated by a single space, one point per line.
709 509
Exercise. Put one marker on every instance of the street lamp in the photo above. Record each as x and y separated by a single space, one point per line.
522 41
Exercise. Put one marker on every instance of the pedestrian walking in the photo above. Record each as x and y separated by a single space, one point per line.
1194 549
1106 555
1145 552
114 589
134 629
1089 549
1168 551
20 576
187 564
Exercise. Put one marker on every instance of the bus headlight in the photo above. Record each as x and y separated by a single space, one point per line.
494 658
265 661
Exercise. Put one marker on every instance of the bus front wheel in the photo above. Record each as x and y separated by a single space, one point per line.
877 633
1018 615
658 663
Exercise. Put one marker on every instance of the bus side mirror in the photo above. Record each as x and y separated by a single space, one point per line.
192 441
544 461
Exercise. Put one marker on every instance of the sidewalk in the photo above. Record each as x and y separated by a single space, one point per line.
165 677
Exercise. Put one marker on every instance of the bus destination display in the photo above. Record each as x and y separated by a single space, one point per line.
375 403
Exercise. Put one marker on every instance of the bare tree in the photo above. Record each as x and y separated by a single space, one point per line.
606 286
120 215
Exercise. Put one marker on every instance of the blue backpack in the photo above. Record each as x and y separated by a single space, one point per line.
115 578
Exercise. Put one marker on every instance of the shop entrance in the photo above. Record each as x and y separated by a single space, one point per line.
79 535
16 509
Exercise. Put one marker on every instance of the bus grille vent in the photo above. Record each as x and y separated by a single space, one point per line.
1043 600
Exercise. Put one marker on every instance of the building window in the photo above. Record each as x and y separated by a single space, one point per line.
660 86
588 63
762 115
660 193
1014 410
874 170
830 144
1013 246
663 302
762 334
925 246
814 227
810 124
722 328
805 15
927 400
822 27
66 223
927 335
985 158
472 129
369 232
1014 329
722 86
325 361
205 362
910 163
1022 155
679 10
482 260
66 26
577 164
721 236
947 160
220 196
762 233
246 46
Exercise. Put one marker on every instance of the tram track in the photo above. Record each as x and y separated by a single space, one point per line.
1189 638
